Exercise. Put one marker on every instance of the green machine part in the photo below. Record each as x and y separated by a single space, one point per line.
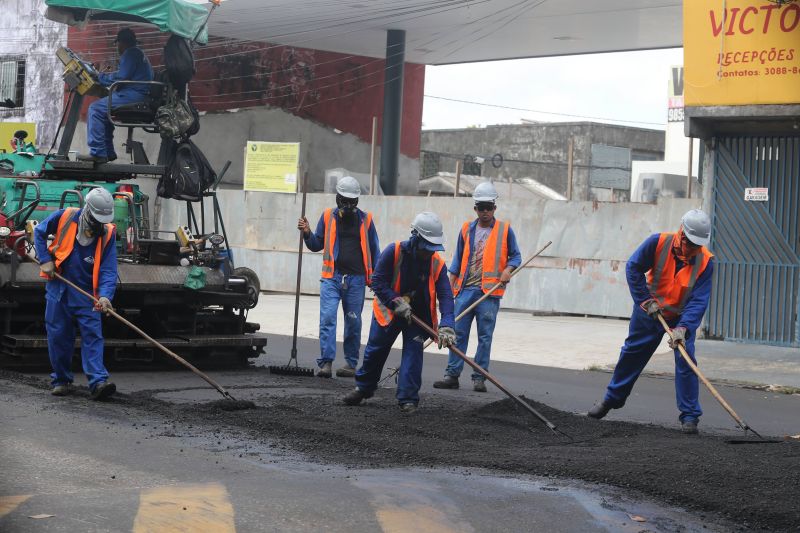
51 193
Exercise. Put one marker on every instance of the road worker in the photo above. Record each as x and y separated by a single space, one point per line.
669 274
350 247
486 255
410 277
83 252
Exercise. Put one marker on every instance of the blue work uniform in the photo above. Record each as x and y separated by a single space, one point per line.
347 285
133 66
64 304
484 314
414 276
645 333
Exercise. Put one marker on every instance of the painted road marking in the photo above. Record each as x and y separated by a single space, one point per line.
9 503
185 508
413 518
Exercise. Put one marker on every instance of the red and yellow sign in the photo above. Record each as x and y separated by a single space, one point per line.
741 52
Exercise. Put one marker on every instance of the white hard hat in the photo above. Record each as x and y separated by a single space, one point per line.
348 187
697 227
484 192
100 205
429 227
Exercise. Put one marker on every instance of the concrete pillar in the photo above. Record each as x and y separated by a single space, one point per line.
392 109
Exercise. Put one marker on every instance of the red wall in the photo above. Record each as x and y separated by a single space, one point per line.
336 90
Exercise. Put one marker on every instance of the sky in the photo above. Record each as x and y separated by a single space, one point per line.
623 86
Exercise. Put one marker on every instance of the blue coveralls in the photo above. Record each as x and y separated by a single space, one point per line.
347 288
65 305
413 279
133 66
645 333
485 314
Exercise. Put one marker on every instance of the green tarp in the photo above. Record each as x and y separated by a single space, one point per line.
175 16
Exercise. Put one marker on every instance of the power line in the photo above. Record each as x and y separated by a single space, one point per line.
499 106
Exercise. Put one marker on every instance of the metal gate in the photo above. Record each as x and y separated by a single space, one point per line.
755 293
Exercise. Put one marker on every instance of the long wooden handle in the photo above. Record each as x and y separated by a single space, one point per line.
494 288
705 381
293 354
155 343
430 331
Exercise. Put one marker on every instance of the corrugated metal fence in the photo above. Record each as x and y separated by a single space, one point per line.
756 283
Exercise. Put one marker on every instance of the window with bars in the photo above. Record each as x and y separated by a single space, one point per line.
12 82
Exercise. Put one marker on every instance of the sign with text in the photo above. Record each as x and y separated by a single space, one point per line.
675 101
271 166
756 194
741 52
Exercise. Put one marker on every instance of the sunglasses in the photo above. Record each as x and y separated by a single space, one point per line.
484 206
686 242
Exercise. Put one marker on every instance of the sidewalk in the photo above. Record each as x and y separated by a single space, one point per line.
561 342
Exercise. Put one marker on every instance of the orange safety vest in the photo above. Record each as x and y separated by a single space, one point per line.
495 258
383 314
64 242
328 266
670 290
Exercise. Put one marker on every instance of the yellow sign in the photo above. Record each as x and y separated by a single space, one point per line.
271 167
7 130
741 52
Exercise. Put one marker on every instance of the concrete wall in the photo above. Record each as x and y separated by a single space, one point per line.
540 151
223 135
25 32
582 272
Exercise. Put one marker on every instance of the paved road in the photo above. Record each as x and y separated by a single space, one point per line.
98 467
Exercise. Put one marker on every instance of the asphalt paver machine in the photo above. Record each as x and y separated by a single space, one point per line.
204 321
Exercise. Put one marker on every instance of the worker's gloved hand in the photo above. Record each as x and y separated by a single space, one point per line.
678 337
505 275
402 309
447 337
303 225
103 304
651 307
48 269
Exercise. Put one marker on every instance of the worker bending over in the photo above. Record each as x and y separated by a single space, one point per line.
409 278
669 274
83 252
350 247
486 255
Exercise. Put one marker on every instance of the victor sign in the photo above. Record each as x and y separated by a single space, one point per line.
741 52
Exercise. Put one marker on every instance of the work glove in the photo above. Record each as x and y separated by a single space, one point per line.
402 309
447 337
651 307
103 304
678 337
48 269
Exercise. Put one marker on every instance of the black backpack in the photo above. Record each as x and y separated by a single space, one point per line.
179 62
188 174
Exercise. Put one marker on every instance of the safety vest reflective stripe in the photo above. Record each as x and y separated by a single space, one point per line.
328 261
64 243
495 258
383 314
330 241
672 290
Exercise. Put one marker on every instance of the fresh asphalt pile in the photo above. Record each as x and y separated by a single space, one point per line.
757 487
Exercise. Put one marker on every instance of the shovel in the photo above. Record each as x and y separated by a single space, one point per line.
522 403
741 423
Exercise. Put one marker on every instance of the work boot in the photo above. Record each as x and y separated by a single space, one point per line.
62 390
689 427
346 371
355 397
408 408
449 382
92 158
478 385
103 390
325 370
599 410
